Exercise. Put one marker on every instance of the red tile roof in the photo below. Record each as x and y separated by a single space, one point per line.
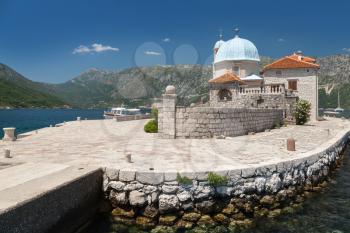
226 78
293 61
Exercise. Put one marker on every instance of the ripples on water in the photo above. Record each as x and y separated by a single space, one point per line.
325 212
25 120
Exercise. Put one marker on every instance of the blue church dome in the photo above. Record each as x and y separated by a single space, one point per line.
237 49
218 44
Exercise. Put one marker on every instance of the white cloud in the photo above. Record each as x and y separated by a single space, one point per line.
166 39
346 50
152 53
81 49
94 48
281 40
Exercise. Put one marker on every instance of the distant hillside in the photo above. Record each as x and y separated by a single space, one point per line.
140 86
334 77
17 91
134 86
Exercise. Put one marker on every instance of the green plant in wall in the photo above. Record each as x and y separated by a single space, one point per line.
216 180
302 112
183 180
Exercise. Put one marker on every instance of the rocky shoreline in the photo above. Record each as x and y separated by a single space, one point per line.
224 198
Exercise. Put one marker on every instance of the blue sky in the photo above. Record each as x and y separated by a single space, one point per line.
54 41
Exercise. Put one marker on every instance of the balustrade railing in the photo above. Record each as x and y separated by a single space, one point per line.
264 89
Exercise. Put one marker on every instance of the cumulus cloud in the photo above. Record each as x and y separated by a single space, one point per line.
152 53
94 48
346 50
281 40
166 39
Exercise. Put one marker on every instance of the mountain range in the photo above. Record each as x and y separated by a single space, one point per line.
143 85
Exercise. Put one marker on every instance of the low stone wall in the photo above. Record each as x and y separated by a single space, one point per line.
206 122
132 117
63 209
150 198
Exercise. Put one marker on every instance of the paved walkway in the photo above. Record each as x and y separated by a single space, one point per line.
106 142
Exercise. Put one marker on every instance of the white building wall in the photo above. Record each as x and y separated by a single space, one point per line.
246 68
307 84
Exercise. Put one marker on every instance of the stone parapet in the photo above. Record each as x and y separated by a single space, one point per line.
207 122
251 191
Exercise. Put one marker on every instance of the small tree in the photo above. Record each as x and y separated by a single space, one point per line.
302 112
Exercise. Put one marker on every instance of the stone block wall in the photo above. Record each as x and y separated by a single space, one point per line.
155 198
250 101
206 122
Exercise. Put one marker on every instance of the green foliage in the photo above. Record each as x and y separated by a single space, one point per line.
302 112
216 180
154 114
183 180
277 124
13 95
151 127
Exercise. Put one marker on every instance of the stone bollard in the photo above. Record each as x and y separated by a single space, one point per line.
9 134
128 157
7 153
290 144
78 118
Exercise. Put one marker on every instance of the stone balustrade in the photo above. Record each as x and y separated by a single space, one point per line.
264 89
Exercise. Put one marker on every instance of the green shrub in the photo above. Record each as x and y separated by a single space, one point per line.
302 112
151 127
183 180
216 180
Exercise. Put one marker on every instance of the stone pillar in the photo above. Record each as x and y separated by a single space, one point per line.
167 127
9 134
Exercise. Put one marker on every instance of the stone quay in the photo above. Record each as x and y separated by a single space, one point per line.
169 182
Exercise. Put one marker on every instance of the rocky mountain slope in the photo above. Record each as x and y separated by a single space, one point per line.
142 85
17 91
134 86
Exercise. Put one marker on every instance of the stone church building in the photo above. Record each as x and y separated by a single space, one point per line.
239 82
244 97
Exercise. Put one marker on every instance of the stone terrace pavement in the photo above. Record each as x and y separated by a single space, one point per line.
104 143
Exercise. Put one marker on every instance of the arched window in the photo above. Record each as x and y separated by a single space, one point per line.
225 94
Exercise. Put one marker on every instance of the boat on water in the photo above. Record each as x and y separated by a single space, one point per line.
339 109
121 111
334 112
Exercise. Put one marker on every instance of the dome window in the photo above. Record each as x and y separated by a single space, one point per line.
236 70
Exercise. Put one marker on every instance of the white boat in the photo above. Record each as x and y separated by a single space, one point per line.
339 109
121 111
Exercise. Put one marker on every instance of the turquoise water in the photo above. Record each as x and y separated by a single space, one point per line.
25 120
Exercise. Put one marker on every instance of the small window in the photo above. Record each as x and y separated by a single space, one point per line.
279 72
293 85
307 70
236 70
